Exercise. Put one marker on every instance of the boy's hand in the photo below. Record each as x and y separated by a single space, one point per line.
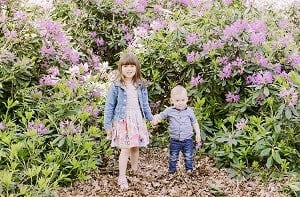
198 142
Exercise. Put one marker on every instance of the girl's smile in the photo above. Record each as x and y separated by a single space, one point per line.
128 71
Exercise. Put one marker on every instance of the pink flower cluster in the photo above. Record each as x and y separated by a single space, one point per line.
2 126
53 35
232 97
37 126
231 68
69 128
289 95
192 57
94 111
195 81
260 78
241 124
191 38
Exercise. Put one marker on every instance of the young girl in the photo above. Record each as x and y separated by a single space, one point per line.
126 109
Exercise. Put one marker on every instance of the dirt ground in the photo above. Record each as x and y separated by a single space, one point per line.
154 181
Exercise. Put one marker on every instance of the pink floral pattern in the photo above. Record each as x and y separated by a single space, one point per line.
131 131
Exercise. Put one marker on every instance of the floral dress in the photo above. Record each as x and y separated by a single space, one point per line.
132 130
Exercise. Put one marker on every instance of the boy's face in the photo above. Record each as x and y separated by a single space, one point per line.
179 101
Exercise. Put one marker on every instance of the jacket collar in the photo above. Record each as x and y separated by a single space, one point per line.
118 83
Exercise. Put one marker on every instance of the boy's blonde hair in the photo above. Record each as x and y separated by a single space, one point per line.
178 90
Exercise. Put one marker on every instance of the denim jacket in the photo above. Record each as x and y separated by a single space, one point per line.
115 105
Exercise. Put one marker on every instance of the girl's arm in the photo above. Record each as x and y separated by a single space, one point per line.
147 109
110 104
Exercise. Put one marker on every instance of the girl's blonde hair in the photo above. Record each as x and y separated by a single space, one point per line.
130 59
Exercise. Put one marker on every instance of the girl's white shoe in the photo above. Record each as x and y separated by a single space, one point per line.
122 182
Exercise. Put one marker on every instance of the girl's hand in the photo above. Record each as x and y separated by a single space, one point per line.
109 134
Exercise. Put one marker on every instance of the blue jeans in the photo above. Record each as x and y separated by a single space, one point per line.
187 148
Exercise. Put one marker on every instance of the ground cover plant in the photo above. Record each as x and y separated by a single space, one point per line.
241 67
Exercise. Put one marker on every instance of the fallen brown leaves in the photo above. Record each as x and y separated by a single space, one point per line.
154 181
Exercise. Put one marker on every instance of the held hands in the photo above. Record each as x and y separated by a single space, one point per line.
156 120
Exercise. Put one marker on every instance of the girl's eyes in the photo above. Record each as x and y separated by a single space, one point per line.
129 65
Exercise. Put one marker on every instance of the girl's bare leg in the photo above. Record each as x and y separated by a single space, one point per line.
134 158
123 160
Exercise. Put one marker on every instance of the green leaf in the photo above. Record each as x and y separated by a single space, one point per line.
266 91
269 162
288 113
265 152
295 186
276 156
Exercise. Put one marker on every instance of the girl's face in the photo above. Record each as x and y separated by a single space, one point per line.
128 71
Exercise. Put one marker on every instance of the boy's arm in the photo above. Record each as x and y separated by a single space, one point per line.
197 131
196 127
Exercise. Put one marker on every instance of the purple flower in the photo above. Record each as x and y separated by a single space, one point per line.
283 23
260 78
241 124
69 54
97 92
227 2
2 126
191 39
257 38
72 83
119 2
93 34
39 127
192 57
10 34
257 26
232 98
290 96
128 37
210 45
19 15
140 6
141 31
94 111
68 127
157 24
48 80
234 29
100 42
47 50
52 30
226 72
53 71
196 80
277 68
294 60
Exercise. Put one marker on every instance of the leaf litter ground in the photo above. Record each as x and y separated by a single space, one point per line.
154 181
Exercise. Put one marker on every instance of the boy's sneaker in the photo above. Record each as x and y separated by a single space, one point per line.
189 172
